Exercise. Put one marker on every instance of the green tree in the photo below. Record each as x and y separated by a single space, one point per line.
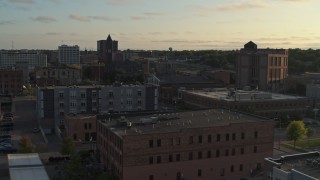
295 131
26 145
68 147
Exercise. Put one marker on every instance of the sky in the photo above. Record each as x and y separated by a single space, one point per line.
160 24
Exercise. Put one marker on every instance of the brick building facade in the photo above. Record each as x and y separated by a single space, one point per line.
11 81
210 144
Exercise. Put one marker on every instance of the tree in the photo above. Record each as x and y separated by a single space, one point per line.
26 145
68 147
309 133
295 131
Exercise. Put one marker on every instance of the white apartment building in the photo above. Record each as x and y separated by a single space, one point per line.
69 54
16 58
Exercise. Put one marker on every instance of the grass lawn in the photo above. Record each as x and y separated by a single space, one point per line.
305 143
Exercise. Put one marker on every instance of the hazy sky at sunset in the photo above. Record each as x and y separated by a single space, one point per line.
160 24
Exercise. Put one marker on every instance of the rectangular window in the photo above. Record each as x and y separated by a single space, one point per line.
209 154
89 125
209 138
191 140
75 136
241 167
227 137
177 157
151 160
85 126
217 153
218 137
255 149
233 151
231 168
242 150
170 158
178 141
171 141
256 134
199 155
227 152
222 172
234 136
200 139
199 172
158 159
242 135
159 142
190 155
150 177
151 143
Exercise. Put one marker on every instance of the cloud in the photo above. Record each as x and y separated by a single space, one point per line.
44 19
138 18
103 18
242 5
22 1
5 22
79 18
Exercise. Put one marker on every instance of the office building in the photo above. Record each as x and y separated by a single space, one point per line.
31 59
303 166
255 102
207 144
68 54
262 69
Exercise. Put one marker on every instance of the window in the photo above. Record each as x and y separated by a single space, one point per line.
222 172
234 136
170 158
60 95
190 155
199 172
209 154
209 138
151 143
83 95
218 137
61 105
227 152
178 141
139 93
256 134
158 159
227 137
150 177
217 153
61 113
231 168
74 136
89 125
241 167
85 126
200 139
83 104
110 94
191 140
151 160
255 149
177 157
233 152
242 150
159 142
171 141
199 155
242 135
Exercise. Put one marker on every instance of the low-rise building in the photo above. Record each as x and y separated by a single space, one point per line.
207 144
31 58
81 128
303 166
11 81
256 102
58 76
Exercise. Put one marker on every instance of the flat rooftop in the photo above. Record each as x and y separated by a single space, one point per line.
27 159
175 122
242 95
306 163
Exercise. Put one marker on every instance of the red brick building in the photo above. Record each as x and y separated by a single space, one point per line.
81 128
11 81
210 144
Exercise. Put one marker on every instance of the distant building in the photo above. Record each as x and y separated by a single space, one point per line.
68 54
105 50
262 69
30 58
58 76
303 166
6 103
210 144
54 102
255 102
11 81
226 76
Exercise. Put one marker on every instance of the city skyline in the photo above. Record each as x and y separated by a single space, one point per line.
158 25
